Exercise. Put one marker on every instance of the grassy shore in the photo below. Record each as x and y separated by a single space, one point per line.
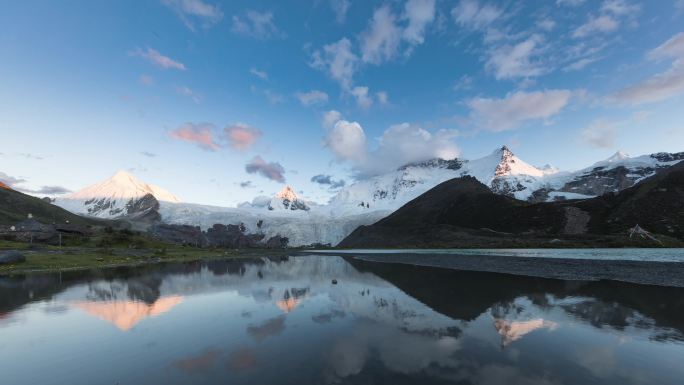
45 258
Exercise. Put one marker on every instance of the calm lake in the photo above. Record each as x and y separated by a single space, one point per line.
333 320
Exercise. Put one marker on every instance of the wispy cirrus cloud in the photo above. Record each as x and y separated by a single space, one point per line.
519 60
255 24
312 97
46 190
663 85
153 56
199 134
517 108
609 18
600 134
14 182
340 7
185 91
263 75
471 14
146 80
338 60
270 170
192 11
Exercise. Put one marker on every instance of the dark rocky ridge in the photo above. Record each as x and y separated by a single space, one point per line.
219 235
463 212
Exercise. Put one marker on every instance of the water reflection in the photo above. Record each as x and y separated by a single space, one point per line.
283 321
126 314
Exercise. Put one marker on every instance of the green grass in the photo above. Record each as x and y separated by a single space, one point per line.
49 259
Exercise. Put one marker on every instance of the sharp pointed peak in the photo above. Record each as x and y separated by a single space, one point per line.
287 192
122 175
619 155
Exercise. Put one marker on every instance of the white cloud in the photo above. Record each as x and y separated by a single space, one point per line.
603 23
338 60
258 25
363 100
191 10
470 14
620 7
330 118
312 97
609 18
380 41
340 7
580 64
661 86
383 97
571 3
679 5
274 97
672 48
600 133
512 61
347 141
546 24
419 13
154 57
517 108
399 144
185 91
146 80
258 73
465 82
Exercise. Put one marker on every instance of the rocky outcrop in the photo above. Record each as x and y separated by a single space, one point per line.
277 242
178 234
219 236
576 221
11 257
232 236
600 181
451 164
145 209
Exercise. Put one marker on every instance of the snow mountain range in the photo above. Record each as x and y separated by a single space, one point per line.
367 200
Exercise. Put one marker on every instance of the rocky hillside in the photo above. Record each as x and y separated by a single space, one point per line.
16 207
465 212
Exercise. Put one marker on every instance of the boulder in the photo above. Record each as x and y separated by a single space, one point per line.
10 257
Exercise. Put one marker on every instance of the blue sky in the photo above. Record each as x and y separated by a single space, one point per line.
221 101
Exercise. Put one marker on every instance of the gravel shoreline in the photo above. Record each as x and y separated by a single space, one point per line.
640 272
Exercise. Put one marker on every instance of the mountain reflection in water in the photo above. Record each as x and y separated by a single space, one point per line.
282 321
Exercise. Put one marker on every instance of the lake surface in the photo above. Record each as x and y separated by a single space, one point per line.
624 254
284 321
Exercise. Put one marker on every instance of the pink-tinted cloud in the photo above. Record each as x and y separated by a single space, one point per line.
242 136
273 170
201 134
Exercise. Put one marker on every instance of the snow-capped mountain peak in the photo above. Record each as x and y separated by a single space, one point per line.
509 164
619 156
287 193
121 195
287 199
122 186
